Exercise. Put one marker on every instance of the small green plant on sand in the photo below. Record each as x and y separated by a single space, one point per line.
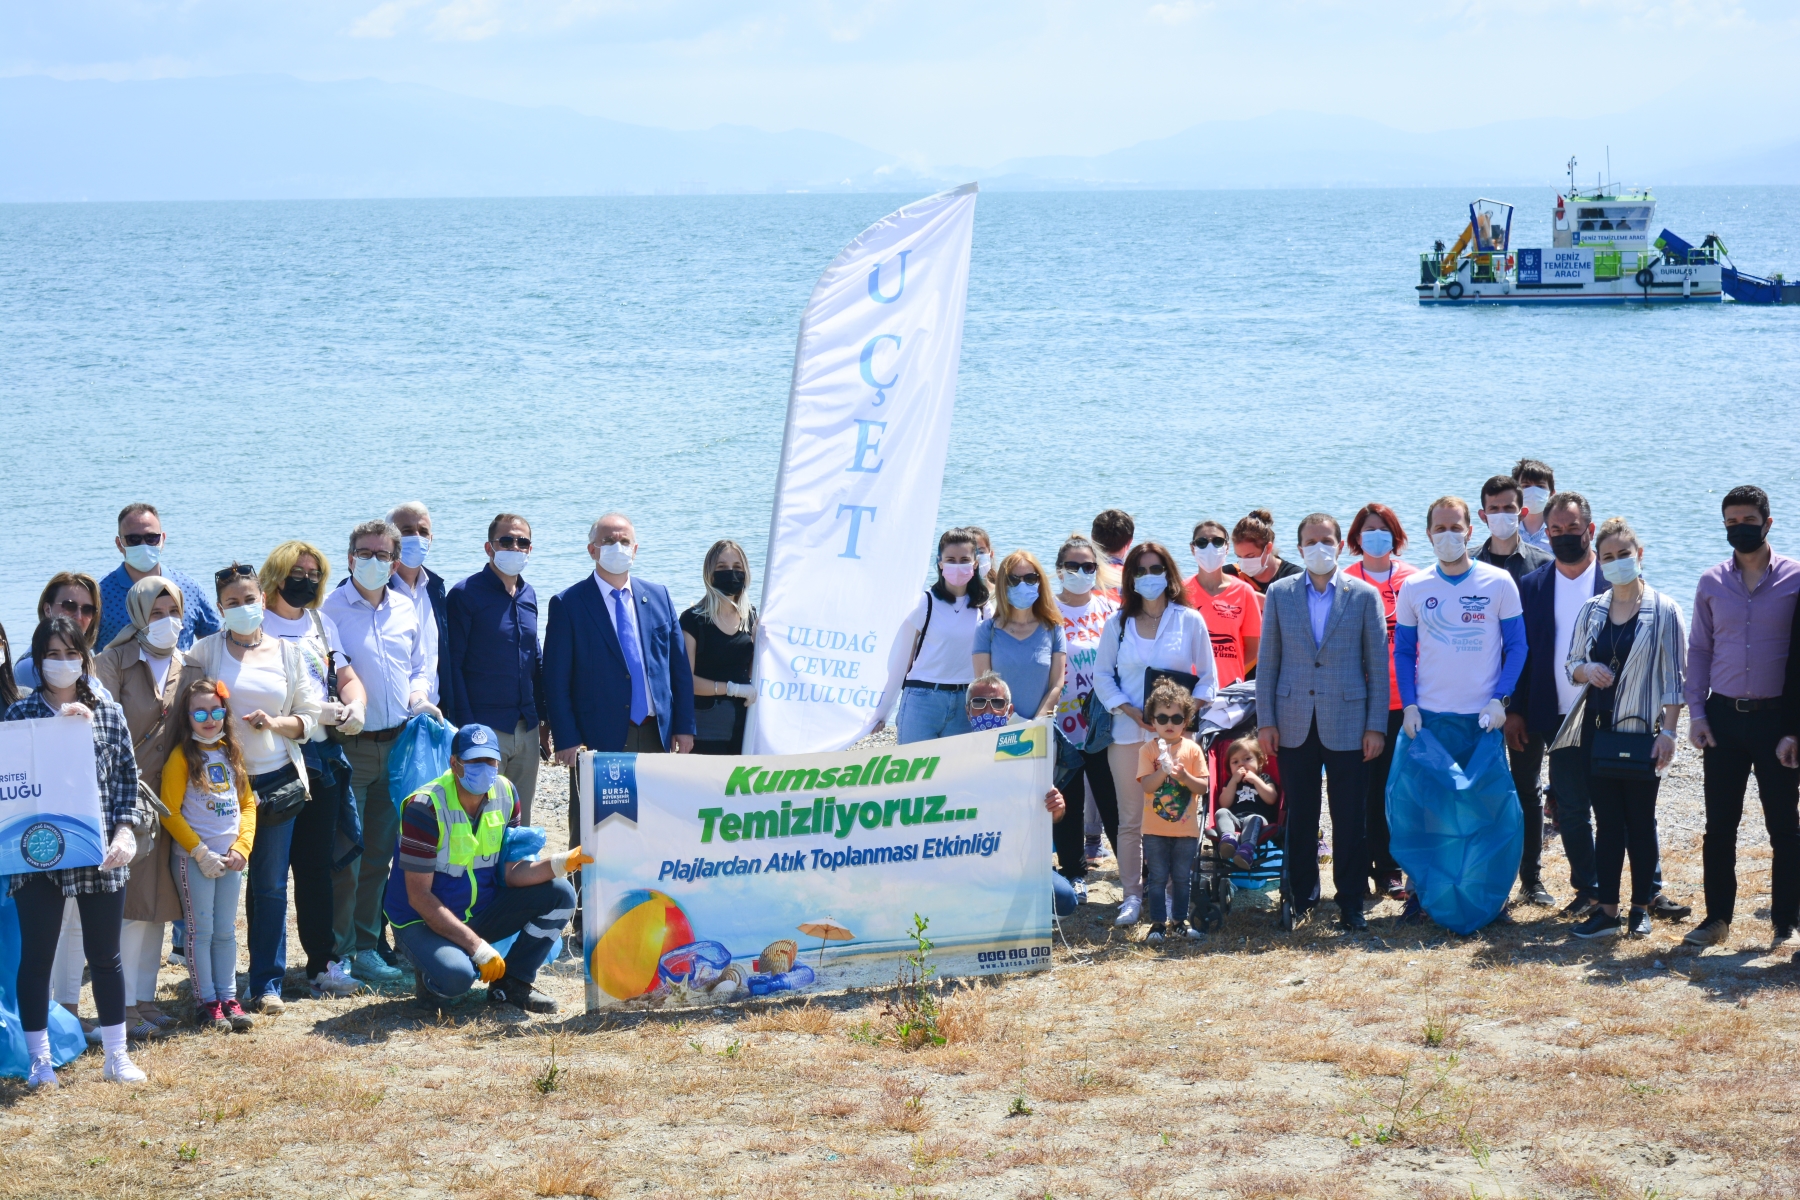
912 1012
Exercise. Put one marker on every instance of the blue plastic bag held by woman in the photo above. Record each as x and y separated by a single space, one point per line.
421 753
66 1038
1454 821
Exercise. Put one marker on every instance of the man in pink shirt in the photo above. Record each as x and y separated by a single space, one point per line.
1737 661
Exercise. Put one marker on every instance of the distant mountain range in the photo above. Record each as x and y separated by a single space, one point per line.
267 137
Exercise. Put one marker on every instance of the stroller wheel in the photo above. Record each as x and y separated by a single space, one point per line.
1287 916
1226 891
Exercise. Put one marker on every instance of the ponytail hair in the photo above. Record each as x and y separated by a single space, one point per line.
1256 527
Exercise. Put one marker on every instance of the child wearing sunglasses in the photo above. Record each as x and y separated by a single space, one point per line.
1172 772
212 819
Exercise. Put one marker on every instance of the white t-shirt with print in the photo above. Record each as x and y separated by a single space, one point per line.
1082 624
211 807
1460 641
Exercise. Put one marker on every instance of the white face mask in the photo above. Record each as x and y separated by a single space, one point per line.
1502 525
60 673
511 562
615 558
1449 545
1076 582
1535 498
372 573
1320 557
1252 566
143 558
985 562
1210 558
162 632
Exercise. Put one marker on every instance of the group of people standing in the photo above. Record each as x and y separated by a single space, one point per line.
243 732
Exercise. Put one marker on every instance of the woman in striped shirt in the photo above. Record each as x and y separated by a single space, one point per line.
1629 651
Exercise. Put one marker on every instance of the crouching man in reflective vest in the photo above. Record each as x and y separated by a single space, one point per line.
450 894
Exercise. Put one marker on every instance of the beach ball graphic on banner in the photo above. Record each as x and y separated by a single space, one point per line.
639 929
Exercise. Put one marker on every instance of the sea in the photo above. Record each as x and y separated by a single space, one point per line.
264 371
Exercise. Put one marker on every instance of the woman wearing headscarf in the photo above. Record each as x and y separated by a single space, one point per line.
146 674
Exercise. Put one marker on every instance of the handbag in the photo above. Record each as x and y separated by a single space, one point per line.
281 801
1616 755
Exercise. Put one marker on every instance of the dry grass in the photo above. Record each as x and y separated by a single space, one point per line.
1253 1066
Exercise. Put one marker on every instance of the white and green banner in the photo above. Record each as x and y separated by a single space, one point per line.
723 878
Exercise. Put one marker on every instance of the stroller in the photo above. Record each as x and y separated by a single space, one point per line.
1232 715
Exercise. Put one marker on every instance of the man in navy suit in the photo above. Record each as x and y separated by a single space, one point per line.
616 674
1551 595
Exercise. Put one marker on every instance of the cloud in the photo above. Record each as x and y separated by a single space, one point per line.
1178 13
383 21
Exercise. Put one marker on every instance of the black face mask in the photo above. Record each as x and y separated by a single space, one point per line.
1744 538
1569 547
299 592
729 582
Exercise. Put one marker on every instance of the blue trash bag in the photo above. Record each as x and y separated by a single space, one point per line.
421 753
522 843
1454 823
66 1038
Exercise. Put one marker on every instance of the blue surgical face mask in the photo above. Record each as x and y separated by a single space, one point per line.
1377 542
479 776
244 619
142 558
1149 586
987 720
1022 595
413 550
372 573
1620 570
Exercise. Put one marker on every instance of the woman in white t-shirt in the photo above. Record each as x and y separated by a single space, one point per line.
1085 611
275 708
293 579
1155 629
940 630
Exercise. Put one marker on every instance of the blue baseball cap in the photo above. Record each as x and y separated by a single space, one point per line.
475 741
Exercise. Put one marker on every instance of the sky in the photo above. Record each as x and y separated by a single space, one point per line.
950 82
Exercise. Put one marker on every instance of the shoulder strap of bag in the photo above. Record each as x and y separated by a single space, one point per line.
919 640
331 684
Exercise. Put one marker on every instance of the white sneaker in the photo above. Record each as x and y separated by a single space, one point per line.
368 966
1195 935
1128 911
43 1075
120 1069
1080 886
334 983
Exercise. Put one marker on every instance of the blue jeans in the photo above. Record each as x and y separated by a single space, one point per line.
265 908
536 913
926 713
1166 860
1064 895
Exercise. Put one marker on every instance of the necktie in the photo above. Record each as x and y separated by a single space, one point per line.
634 659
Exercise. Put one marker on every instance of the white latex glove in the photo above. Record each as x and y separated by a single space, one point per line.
1493 715
1411 721
75 708
419 704
352 721
122 850
741 691
210 864
331 712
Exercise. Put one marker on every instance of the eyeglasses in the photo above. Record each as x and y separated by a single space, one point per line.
996 703
1078 568
1015 580
142 539
509 542
386 556
1217 542
234 571
308 576
75 607
1153 569
209 714
1168 718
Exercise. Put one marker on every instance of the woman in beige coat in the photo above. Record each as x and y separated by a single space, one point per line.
147 674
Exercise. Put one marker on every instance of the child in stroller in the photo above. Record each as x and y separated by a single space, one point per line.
1254 860
1248 802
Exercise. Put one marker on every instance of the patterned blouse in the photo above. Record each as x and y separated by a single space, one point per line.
116 770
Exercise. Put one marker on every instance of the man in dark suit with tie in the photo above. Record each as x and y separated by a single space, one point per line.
616 674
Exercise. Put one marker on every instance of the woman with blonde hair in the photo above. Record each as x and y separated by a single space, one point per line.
720 633
1023 642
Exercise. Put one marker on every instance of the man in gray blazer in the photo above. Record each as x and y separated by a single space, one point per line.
1322 703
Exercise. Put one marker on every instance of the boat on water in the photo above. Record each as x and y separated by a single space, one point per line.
1601 252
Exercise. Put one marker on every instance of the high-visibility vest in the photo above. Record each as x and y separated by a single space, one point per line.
468 852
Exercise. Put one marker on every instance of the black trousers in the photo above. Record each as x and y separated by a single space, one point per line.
40 905
1348 780
1527 765
309 859
1067 835
1624 822
1746 743
1382 866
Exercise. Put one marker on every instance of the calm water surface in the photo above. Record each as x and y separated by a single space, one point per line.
272 370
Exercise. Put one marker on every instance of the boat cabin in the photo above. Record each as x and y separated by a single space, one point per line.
1605 221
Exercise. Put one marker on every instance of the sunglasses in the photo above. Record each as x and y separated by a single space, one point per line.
234 571
1154 569
1015 580
996 703
1216 542
509 542
77 608
1078 568
209 714
1164 718
142 539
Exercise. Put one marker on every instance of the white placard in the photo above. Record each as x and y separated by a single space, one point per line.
50 813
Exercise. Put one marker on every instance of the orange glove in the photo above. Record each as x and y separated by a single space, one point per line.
488 963
567 861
